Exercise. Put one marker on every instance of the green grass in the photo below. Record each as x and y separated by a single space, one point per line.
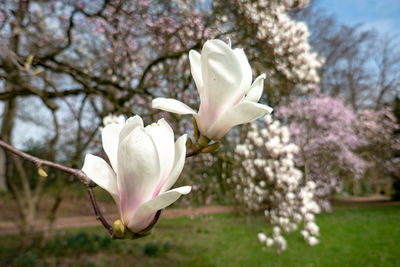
367 236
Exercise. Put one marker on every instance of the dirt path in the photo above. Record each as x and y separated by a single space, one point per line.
86 218
9 227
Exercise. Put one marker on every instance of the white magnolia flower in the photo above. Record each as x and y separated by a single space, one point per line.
227 97
261 237
110 118
145 164
309 217
312 240
276 231
269 242
312 228
305 234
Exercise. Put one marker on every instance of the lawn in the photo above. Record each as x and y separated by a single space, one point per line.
355 236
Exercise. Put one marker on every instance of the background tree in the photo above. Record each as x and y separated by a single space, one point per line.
360 64
379 142
322 127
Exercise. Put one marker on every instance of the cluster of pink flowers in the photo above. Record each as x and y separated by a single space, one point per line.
336 142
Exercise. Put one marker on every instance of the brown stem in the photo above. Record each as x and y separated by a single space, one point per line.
193 152
75 172
201 143
97 211
41 162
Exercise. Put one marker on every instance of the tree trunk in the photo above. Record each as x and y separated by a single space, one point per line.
356 187
5 135
3 184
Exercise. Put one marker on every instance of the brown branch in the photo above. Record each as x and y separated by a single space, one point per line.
192 152
200 144
24 91
202 148
97 211
75 172
41 162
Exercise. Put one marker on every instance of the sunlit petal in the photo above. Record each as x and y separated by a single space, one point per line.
138 171
145 214
242 113
110 139
256 89
171 105
179 161
101 173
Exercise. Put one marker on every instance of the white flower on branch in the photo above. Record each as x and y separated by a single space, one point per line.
145 164
289 197
312 228
312 240
261 237
110 118
227 95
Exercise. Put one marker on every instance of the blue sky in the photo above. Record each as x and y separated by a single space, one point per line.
383 15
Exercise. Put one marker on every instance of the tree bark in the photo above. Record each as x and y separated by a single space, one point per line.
5 135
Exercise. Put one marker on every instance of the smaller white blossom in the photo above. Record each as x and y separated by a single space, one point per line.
261 237
312 240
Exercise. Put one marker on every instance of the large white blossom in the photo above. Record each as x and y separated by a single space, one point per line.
228 97
145 164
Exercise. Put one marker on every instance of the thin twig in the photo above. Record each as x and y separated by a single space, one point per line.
193 152
75 172
97 211
41 162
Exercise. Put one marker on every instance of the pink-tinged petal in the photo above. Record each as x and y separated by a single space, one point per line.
171 105
222 76
243 112
247 74
138 171
179 162
101 173
145 214
110 139
256 89
130 124
195 68
163 138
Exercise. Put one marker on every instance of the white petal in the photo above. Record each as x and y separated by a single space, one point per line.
222 75
247 74
195 67
256 89
179 162
101 173
110 139
241 113
171 105
131 123
163 138
138 171
146 212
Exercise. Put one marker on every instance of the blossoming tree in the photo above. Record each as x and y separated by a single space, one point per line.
267 178
322 127
377 130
